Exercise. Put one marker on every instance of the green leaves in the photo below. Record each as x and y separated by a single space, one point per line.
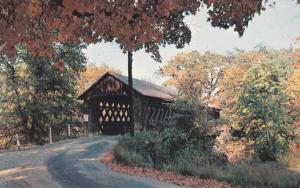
35 95
265 120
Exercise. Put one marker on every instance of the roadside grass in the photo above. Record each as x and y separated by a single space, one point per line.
132 151
245 174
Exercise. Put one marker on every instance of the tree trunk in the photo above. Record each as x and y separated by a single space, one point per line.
33 128
130 94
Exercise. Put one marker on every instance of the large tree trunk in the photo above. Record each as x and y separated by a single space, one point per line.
36 70
130 94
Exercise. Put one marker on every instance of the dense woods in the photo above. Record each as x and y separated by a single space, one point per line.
35 95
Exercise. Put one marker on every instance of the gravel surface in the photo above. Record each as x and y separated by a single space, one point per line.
71 164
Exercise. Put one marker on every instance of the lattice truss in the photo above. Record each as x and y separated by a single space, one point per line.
114 112
155 115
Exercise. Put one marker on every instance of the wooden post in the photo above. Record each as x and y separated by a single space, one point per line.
86 129
50 135
87 121
18 142
130 94
69 130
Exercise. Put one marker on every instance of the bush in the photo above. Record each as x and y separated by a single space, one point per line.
158 150
134 151
191 118
126 157
186 135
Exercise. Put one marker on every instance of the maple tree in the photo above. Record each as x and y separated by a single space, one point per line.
134 24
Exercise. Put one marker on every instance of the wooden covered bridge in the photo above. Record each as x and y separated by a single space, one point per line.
107 104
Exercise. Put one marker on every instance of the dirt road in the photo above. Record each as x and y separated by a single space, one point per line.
71 164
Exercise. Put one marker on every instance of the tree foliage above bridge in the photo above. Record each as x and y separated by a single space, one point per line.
133 24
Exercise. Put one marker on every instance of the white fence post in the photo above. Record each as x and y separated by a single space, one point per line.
18 142
50 135
85 124
69 130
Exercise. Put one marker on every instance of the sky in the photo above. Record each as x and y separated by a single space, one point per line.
277 27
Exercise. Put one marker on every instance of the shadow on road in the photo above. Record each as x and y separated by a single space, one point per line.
81 167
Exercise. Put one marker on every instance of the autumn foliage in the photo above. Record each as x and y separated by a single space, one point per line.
294 86
133 24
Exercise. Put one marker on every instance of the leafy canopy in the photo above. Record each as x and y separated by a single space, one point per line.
133 24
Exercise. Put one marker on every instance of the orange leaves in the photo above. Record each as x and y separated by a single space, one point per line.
81 6
296 54
164 7
33 9
134 24
128 16
40 47
237 14
59 65
209 2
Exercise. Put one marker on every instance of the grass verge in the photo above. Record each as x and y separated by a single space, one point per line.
133 152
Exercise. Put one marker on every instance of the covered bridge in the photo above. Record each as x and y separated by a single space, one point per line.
106 103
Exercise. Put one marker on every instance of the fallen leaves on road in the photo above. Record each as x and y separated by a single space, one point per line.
166 176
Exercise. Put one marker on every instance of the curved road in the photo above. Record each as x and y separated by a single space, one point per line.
69 164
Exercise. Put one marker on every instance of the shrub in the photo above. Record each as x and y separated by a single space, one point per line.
137 146
186 135
191 118
127 157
